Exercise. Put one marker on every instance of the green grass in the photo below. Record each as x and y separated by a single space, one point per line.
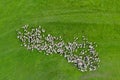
99 20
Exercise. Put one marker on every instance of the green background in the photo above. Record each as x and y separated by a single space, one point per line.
99 20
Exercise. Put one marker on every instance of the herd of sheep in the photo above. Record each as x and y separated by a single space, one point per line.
83 55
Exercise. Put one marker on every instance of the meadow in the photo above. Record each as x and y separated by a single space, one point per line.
99 20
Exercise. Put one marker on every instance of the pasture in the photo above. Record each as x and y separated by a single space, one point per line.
99 20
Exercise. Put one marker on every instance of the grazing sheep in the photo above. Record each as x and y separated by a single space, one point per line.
87 60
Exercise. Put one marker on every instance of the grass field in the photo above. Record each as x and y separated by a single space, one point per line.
99 20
